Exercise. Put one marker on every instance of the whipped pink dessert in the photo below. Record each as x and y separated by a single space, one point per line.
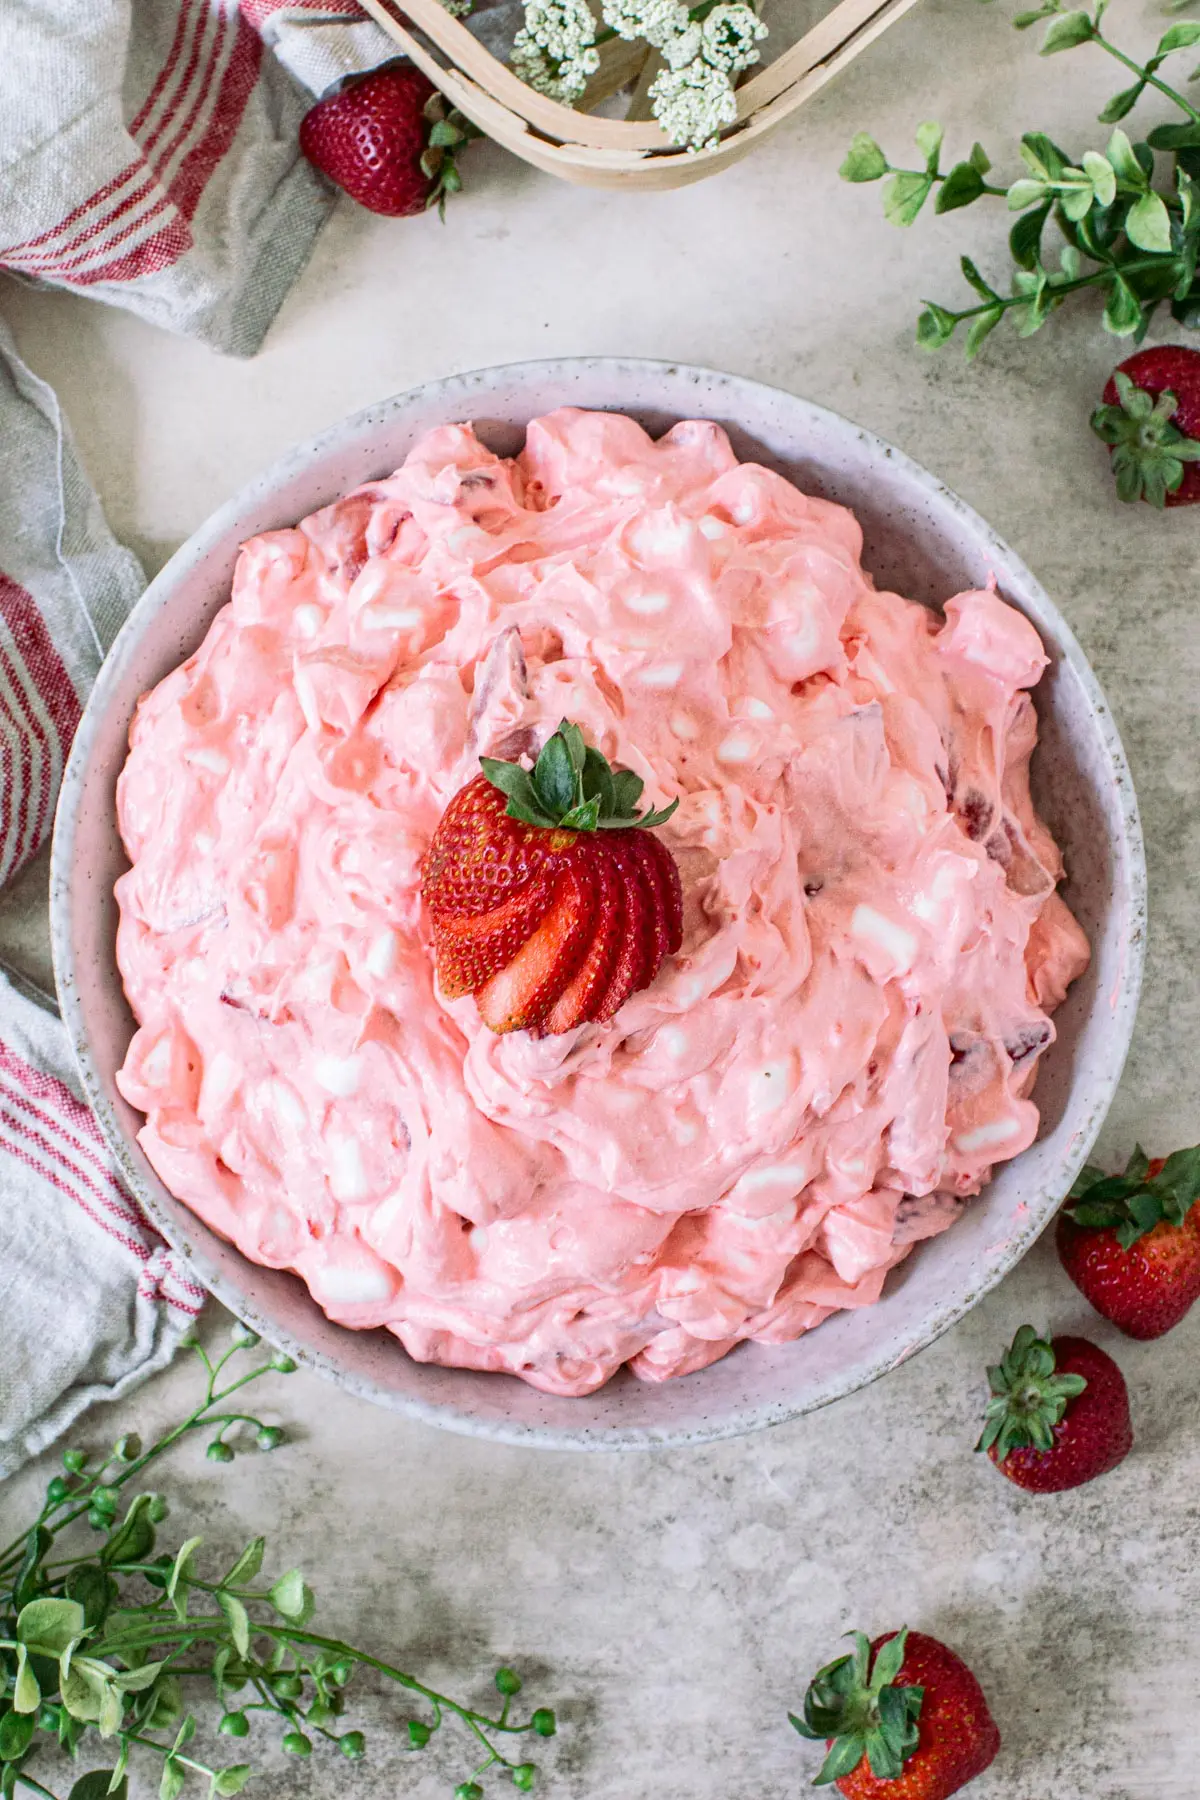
843 1047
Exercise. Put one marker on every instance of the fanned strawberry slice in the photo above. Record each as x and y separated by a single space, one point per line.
660 902
635 950
479 856
519 997
579 998
470 950
550 900
671 888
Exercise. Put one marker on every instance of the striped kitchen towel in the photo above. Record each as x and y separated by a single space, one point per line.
149 157
92 1300
149 149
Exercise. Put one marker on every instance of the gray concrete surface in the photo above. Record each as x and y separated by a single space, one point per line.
672 1606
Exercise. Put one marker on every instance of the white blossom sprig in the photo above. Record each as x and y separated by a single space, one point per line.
555 50
705 48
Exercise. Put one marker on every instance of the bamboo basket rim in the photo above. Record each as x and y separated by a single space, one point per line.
553 135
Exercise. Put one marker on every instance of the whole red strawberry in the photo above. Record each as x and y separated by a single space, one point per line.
904 1719
388 141
550 899
1150 420
1059 1413
1131 1242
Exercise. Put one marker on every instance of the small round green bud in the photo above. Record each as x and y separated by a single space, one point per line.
288 1687
544 1722
468 1790
269 1437
282 1363
353 1745
219 1451
508 1682
57 1491
106 1499
524 1776
235 1724
341 1672
296 1744
99 1521
129 1447
243 1337
157 1510
419 1733
74 1461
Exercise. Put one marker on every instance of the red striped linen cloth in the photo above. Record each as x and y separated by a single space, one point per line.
91 1298
149 156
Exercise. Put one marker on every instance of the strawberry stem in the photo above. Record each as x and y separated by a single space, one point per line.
1148 449
1029 1397
1133 1203
571 787
863 1711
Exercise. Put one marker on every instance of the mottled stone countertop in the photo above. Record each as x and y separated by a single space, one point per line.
672 1604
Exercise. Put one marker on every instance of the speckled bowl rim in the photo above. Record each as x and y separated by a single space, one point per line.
471 385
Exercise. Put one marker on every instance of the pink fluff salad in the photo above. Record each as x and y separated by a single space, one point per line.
830 1068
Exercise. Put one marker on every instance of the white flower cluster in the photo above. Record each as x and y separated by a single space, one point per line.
693 97
555 51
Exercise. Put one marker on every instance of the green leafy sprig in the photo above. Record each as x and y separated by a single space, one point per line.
863 1711
572 788
1146 1194
103 1642
1130 228
1029 1396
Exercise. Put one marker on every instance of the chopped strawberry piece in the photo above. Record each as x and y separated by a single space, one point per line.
520 995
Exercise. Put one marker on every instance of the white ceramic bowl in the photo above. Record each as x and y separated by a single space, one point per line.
920 540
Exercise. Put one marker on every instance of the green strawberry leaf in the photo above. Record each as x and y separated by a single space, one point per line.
1029 1397
554 777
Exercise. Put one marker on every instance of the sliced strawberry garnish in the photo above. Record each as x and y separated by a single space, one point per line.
636 948
660 902
479 856
550 899
670 890
520 995
579 999
470 950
